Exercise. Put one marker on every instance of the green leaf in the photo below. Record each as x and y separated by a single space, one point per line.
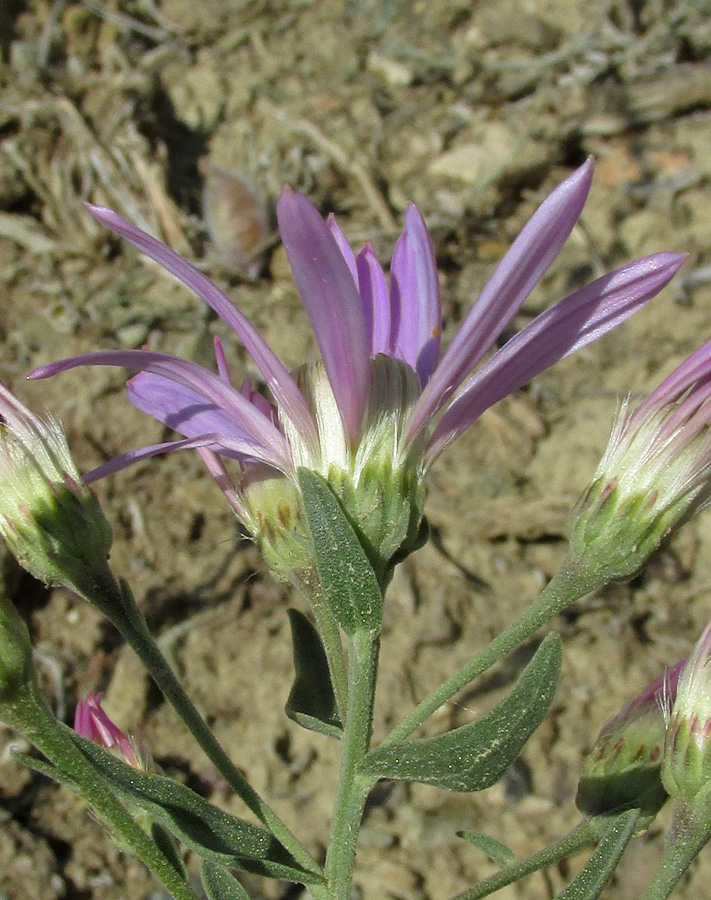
49 770
496 850
476 755
168 847
312 702
219 883
210 832
348 581
589 883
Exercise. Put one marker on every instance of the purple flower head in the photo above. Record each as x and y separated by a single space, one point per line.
49 518
655 474
383 402
687 752
623 769
92 723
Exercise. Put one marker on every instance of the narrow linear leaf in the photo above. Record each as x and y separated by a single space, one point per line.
347 579
496 850
210 832
49 770
589 883
219 883
475 756
168 846
312 702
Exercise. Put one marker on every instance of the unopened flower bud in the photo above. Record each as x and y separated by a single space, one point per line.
52 522
687 753
655 474
91 722
623 769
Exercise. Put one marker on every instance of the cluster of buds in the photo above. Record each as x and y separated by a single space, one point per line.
659 746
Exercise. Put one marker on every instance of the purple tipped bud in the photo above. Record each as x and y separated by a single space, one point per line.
92 723
687 752
51 521
655 474
623 769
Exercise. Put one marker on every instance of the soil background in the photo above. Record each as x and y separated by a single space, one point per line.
474 110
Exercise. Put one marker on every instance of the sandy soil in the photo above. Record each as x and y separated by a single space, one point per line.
474 110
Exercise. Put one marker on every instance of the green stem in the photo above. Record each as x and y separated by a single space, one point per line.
353 788
40 727
331 638
570 584
134 630
585 834
688 834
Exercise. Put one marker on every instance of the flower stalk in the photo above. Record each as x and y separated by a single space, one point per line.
353 787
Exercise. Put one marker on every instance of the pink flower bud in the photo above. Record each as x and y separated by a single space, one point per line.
91 722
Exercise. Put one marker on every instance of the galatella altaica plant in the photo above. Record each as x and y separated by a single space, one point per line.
325 469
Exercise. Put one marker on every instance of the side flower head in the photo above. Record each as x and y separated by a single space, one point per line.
382 402
655 474
49 518
92 723
687 752
623 769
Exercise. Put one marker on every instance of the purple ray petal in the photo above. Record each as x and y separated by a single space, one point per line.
343 245
280 382
118 463
332 302
222 367
696 367
12 411
569 325
517 274
182 409
414 288
375 299
221 477
262 432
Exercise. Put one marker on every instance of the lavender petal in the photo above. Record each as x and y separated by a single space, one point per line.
330 297
375 299
517 274
343 245
266 439
182 409
277 377
118 463
414 288
572 323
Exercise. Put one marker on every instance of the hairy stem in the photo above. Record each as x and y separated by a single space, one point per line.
134 630
570 584
40 727
583 835
353 788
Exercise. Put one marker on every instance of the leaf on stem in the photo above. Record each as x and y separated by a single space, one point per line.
312 701
220 883
348 581
476 755
496 850
589 884
210 832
